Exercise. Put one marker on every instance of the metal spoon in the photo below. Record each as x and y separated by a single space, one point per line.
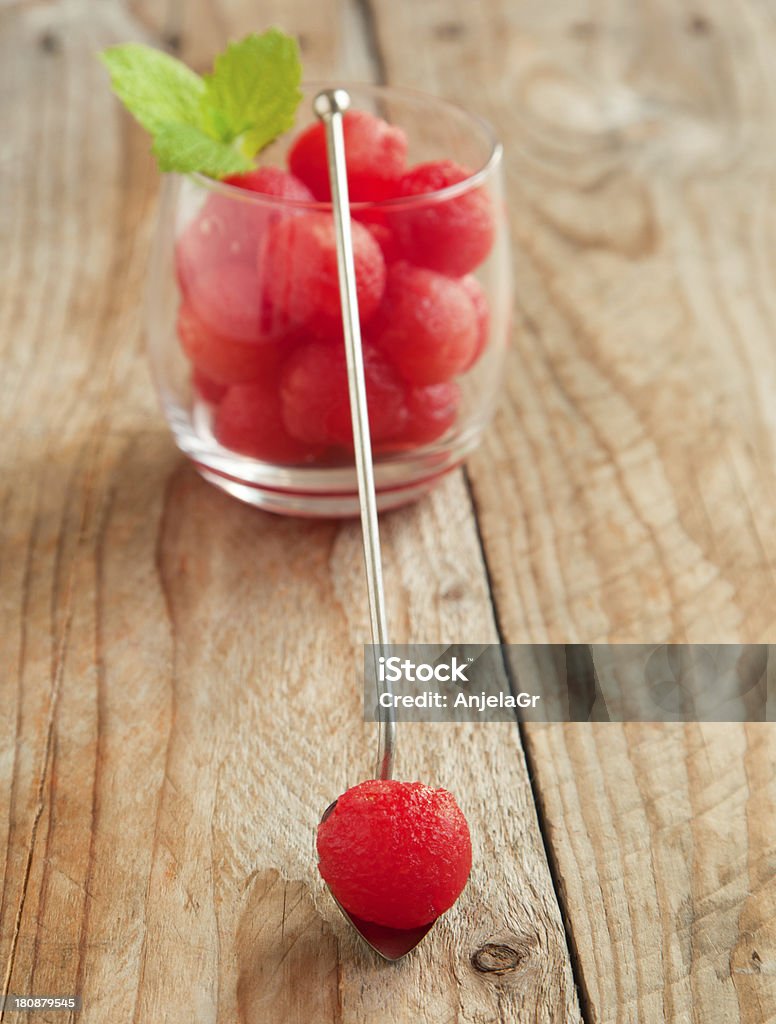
329 106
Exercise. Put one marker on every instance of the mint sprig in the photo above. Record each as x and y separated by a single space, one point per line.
254 90
218 124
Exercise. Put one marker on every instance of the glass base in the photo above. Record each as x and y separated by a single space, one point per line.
315 490
316 506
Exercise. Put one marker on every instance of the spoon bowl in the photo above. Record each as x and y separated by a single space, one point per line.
390 943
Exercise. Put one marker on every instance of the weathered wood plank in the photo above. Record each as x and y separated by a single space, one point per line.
627 492
181 670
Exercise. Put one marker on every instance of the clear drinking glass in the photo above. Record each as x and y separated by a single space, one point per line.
243 323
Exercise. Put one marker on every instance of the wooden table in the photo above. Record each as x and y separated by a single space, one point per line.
178 670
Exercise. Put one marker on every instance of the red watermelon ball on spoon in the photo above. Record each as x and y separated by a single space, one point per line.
397 854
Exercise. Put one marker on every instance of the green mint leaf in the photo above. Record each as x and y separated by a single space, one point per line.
216 125
156 88
185 148
252 95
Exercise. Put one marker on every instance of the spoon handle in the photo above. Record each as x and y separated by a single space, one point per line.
329 106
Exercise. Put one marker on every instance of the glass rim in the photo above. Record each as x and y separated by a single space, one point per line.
470 182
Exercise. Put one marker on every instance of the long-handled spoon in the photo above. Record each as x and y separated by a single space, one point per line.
329 105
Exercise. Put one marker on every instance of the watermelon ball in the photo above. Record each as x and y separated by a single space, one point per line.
477 295
427 325
222 328
379 225
375 153
316 405
452 236
219 358
298 268
210 390
227 300
228 229
224 231
431 411
272 181
249 421
397 854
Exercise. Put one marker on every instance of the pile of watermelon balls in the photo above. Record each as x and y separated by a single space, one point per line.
260 321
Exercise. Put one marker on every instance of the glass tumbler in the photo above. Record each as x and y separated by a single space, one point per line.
243 318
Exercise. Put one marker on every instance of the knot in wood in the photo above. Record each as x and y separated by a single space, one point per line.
49 41
449 30
497 958
454 591
173 41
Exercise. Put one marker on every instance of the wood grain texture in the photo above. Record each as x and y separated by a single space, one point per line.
179 671
627 492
